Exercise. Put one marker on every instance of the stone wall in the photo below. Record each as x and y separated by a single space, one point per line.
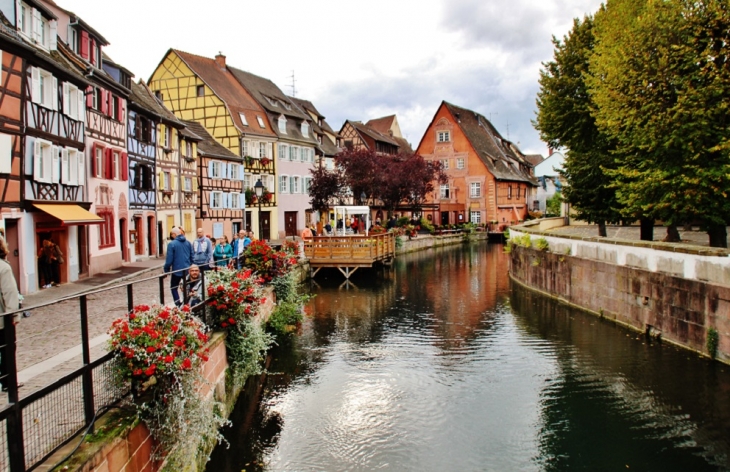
426 241
680 309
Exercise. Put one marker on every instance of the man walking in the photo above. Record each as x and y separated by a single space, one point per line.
239 246
203 251
179 258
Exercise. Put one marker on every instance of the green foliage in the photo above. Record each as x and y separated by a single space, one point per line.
713 341
565 120
660 80
508 247
285 287
285 317
536 262
523 240
553 204
425 224
247 344
542 244
402 221
506 233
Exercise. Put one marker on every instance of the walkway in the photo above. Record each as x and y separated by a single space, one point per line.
696 238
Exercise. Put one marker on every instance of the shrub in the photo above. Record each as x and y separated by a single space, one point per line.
425 224
233 295
285 318
266 262
402 221
247 344
553 205
523 240
291 247
542 244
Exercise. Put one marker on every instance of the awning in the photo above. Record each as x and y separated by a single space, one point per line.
70 214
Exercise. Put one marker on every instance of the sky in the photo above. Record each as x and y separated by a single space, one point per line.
360 60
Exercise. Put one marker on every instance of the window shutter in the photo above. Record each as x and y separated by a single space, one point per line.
65 167
210 169
241 172
92 53
94 170
81 109
108 163
52 41
85 44
54 93
173 181
55 168
81 170
36 31
37 161
18 13
161 185
120 109
269 151
90 97
36 79
241 200
66 98
211 201
195 184
125 168
104 100
6 154
291 184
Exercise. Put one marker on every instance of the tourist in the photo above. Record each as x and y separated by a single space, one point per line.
56 261
9 301
328 228
202 251
306 234
193 283
223 252
179 258
239 246
45 264
353 224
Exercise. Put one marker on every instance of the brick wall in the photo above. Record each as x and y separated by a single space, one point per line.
681 309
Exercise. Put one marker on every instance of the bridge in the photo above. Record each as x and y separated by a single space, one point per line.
349 253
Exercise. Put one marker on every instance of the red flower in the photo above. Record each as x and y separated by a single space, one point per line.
186 308
164 314
224 324
186 364
151 370
138 372
132 316
168 359
150 349
232 321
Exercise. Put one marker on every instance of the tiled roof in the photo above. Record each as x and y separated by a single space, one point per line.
228 89
142 97
376 135
501 157
308 106
328 147
403 144
76 19
209 147
382 125
534 159
267 94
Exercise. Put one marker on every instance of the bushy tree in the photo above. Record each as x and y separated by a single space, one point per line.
326 187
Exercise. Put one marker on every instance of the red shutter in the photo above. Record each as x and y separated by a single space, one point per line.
103 101
92 53
108 172
94 170
120 109
90 98
84 44
125 174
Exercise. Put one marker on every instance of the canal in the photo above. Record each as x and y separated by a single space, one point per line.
444 365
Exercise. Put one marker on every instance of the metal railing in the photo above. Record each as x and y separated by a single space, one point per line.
35 425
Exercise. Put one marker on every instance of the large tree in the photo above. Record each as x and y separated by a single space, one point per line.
326 188
660 77
565 120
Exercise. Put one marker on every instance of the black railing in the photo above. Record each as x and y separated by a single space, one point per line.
35 425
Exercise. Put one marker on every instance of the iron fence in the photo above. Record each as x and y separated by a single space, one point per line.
37 424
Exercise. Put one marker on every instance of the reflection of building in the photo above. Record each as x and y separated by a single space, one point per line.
548 175
489 179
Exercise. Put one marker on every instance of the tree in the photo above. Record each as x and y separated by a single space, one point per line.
552 205
660 77
326 185
565 120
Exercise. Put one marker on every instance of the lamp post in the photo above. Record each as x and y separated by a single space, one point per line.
259 189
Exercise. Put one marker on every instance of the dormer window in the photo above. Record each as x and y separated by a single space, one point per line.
443 137
305 129
34 26
261 121
243 119
282 124
272 101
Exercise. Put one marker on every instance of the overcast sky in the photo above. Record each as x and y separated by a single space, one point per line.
360 60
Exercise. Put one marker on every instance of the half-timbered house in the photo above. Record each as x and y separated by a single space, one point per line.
204 90
53 203
106 138
221 198
358 135
295 149
489 179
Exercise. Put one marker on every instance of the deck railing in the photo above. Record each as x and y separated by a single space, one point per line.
353 250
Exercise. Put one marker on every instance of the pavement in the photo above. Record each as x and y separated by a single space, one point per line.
694 237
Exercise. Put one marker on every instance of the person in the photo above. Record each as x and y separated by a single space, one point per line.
239 246
179 258
391 222
223 253
306 233
45 263
314 230
328 228
202 251
56 261
9 301
193 283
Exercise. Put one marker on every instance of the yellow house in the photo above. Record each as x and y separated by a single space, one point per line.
205 91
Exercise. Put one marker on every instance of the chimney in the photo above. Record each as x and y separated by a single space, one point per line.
220 59
550 151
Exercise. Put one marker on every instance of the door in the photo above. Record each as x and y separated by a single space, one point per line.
160 238
236 227
444 218
83 251
247 222
266 224
151 235
290 223
139 243
170 223
11 235
123 239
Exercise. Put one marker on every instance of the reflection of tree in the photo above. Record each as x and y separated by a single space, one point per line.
616 399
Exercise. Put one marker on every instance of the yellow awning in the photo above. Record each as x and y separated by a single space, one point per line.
70 214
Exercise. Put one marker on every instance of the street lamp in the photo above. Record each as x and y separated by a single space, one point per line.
259 189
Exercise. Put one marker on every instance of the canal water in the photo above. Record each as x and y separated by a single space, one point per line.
441 364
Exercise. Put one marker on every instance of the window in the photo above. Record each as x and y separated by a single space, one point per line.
295 184
283 184
97 99
115 106
282 124
460 163
268 181
475 189
443 136
106 229
166 181
445 164
70 167
307 184
158 95
243 119
116 165
45 161
73 39
235 199
293 153
6 154
235 170
283 151
44 33
476 217
168 137
189 149
201 91
73 102
188 184
247 179
509 192
305 129
261 121
262 150
244 148
215 170
25 19
216 199
45 88
444 193
99 160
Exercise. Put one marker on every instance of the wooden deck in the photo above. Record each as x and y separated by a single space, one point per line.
349 253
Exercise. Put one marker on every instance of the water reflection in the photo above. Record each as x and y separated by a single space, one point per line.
440 365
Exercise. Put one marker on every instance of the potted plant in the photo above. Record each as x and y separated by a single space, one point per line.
267 196
265 161
250 196
249 160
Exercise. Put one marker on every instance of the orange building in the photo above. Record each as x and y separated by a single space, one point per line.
490 180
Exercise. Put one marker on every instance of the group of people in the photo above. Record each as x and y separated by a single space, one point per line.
50 257
9 301
186 261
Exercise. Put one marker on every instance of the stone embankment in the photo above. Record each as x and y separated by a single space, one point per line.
675 291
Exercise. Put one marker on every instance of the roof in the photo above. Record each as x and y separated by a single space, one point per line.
329 148
501 157
40 6
534 159
382 125
208 146
228 89
76 19
308 106
376 135
105 59
143 98
267 94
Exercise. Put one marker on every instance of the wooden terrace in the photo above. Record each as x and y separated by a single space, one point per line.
349 253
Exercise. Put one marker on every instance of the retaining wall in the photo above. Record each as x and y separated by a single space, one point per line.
426 241
673 294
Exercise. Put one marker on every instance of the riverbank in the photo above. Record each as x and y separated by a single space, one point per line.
428 241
